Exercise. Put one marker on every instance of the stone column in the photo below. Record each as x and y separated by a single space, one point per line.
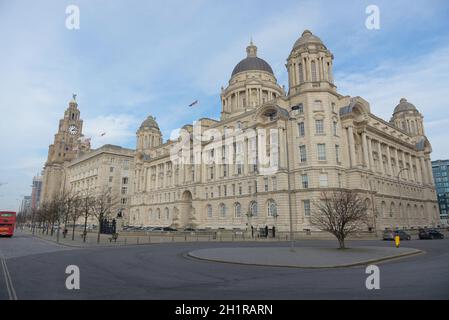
423 170
396 156
370 153
390 167
405 165
351 145
381 162
365 151
418 171
429 168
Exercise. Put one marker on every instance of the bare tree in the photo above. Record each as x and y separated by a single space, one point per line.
102 207
341 213
86 201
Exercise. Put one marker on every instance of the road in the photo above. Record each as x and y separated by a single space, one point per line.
161 271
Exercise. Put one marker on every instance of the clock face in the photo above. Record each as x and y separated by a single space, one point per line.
73 130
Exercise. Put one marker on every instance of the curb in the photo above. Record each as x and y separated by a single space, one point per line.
356 264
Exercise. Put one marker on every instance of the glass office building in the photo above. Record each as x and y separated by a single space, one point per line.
441 175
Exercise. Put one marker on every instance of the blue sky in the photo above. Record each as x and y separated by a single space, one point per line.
134 58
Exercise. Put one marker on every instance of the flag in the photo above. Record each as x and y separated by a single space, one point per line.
193 103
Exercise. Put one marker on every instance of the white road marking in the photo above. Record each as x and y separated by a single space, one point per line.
9 287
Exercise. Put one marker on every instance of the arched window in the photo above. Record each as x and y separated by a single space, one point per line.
209 211
158 212
253 210
392 209
314 73
222 210
237 210
167 214
272 209
383 209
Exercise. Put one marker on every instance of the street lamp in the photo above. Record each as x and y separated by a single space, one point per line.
400 195
292 241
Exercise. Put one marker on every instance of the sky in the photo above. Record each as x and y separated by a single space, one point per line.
133 58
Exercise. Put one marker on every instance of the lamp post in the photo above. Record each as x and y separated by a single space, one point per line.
292 241
59 206
400 195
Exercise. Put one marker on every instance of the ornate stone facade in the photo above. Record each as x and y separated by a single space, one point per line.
325 141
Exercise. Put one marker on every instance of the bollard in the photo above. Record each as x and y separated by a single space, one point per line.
397 241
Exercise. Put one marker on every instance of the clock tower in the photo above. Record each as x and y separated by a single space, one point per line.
68 143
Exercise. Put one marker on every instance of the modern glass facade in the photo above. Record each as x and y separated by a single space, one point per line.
441 175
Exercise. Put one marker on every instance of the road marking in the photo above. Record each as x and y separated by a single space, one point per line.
9 287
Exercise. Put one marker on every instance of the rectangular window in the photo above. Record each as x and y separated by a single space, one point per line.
306 204
111 169
110 179
335 128
305 181
319 126
321 151
323 180
125 180
265 181
275 184
302 153
225 191
124 190
301 129
337 153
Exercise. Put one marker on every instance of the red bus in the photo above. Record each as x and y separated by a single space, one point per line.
7 223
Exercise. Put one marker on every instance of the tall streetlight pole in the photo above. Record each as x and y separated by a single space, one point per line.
59 206
400 195
292 241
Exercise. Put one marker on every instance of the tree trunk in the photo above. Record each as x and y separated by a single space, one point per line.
73 230
85 228
341 243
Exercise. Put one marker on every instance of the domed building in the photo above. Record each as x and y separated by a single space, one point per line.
273 153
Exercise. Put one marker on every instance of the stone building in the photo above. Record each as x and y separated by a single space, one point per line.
108 168
316 139
68 144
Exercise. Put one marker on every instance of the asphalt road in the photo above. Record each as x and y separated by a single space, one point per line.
161 271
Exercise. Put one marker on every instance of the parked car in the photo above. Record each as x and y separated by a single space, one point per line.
170 229
157 229
390 235
189 229
430 234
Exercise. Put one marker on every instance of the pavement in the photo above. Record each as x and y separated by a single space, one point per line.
37 270
303 257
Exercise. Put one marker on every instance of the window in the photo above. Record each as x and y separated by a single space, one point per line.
306 204
253 210
222 210
265 182
302 153
314 74
305 181
337 153
335 128
225 191
323 180
275 183
319 126
321 150
124 190
301 129
110 179
240 190
225 170
237 210
111 169
272 209
167 214
124 201
125 180
209 211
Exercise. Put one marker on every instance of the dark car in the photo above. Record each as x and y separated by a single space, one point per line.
430 234
402 235
390 235
169 229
